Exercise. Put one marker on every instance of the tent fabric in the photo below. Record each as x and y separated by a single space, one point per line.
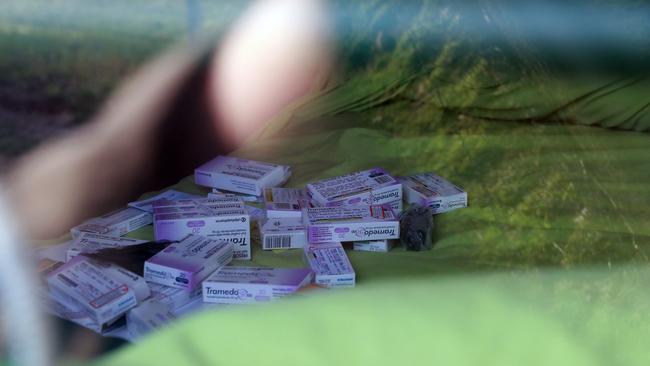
547 265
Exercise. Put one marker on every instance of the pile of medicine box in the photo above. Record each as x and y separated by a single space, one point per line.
222 218
368 187
204 234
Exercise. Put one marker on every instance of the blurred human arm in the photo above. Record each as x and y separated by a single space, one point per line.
178 111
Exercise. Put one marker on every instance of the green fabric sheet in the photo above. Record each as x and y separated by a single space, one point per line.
548 265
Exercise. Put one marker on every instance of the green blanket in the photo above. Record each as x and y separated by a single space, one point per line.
547 265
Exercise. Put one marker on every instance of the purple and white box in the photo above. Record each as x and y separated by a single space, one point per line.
431 190
368 187
148 317
71 310
244 197
283 234
241 175
247 285
220 202
172 297
186 263
91 243
170 194
103 296
213 218
330 264
116 223
286 202
350 223
135 282
382 246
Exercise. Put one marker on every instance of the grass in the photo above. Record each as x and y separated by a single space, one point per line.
71 54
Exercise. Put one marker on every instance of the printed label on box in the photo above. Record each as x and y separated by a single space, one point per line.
186 263
330 264
170 194
368 187
116 223
381 246
350 223
245 285
211 218
283 234
286 202
103 296
91 243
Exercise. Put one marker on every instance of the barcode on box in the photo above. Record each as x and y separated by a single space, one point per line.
383 179
277 242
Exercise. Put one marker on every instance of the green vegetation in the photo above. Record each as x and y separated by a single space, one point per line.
70 54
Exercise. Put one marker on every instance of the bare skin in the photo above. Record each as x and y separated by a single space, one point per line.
180 110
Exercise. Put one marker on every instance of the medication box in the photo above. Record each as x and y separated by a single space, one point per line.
91 243
382 246
186 263
369 187
283 234
170 194
330 264
246 285
203 205
286 202
72 311
431 190
135 282
350 223
116 223
244 197
147 317
103 296
214 218
194 201
241 175
172 297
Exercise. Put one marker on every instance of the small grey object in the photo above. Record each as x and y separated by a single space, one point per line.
416 228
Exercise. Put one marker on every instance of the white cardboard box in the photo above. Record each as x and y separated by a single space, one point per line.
207 217
431 190
116 223
216 193
170 194
186 263
194 202
368 187
286 202
147 317
172 297
246 285
240 175
104 297
350 223
381 246
283 234
71 310
91 243
135 282
330 264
